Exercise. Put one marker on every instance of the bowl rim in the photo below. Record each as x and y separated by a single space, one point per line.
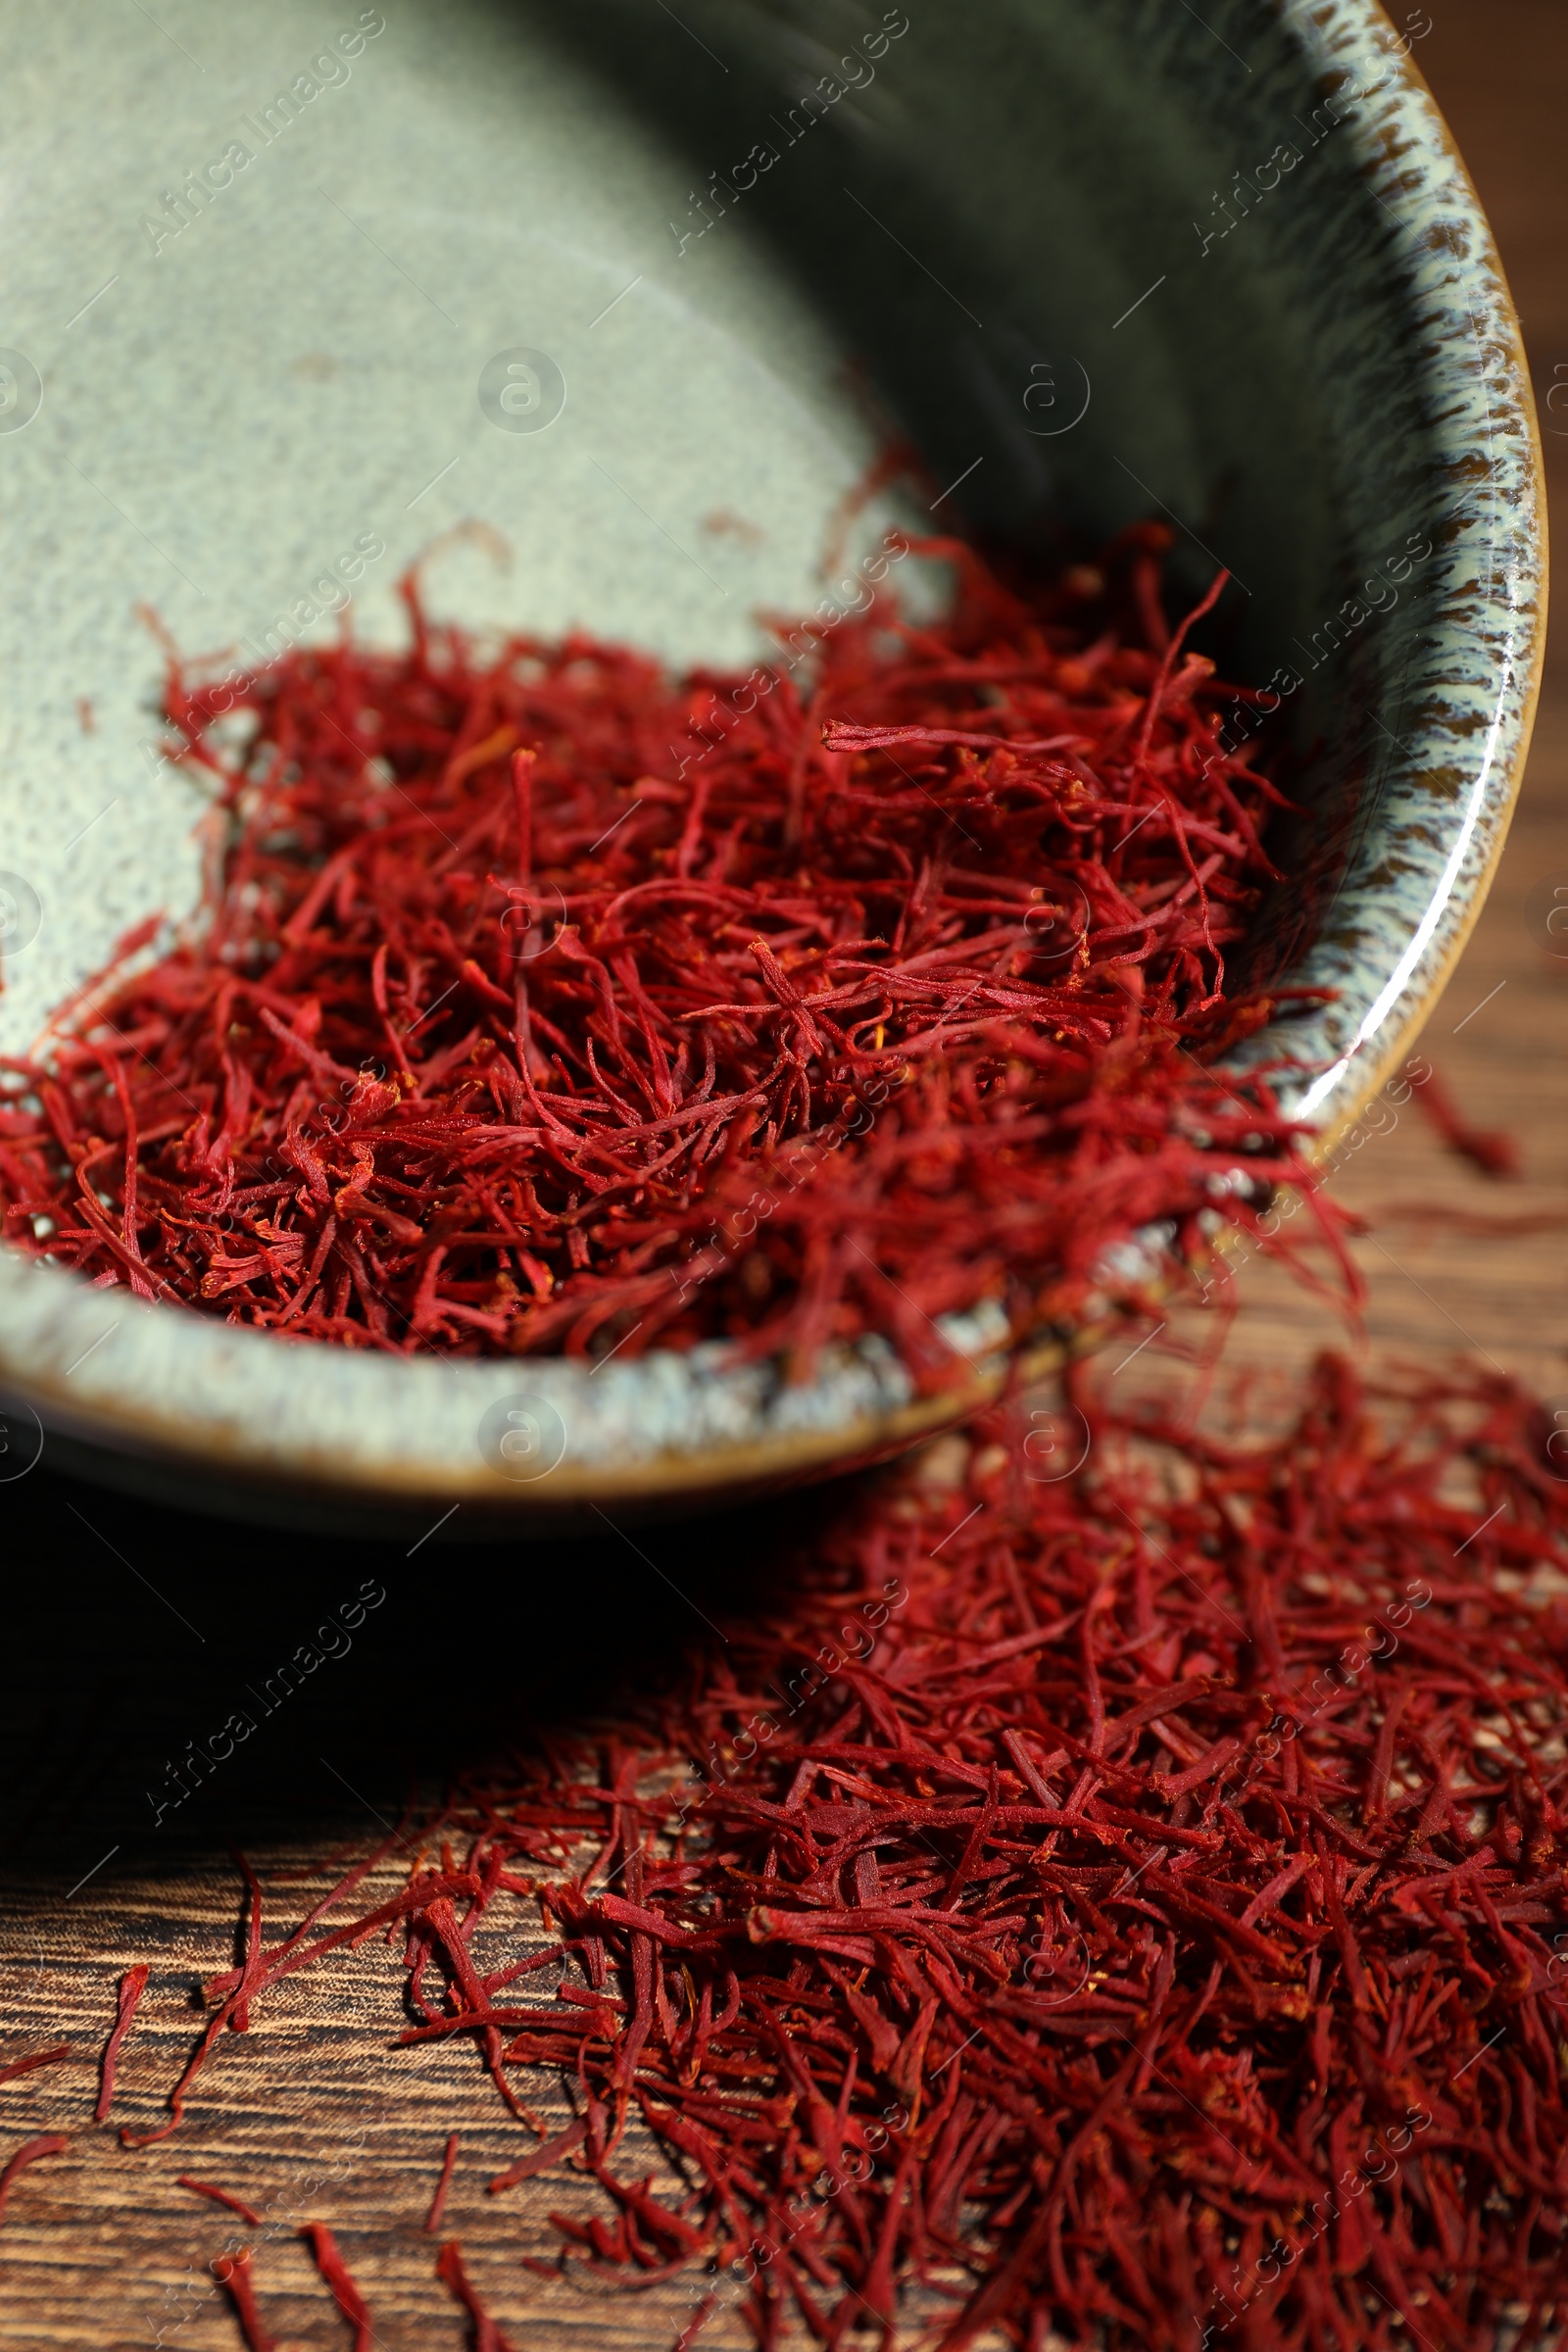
182 1393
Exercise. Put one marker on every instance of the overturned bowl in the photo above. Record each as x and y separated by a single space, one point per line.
259 296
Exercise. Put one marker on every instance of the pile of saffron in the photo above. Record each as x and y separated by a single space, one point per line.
1125 1910
542 1002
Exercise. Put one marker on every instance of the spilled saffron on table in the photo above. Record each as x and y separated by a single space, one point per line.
1127 1906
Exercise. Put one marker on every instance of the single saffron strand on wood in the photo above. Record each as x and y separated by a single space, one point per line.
438 2201
218 2196
26 2066
1492 1150
45 2144
335 2271
233 2274
695 2324
487 2335
132 1985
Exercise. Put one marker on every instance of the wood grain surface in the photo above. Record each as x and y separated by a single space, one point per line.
132 1631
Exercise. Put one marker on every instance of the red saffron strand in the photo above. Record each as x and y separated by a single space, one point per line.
132 1985
1491 1149
487 2335
333 2269
695 2324
539 2160
233 2274
45 2144
218 2196
438 2202
26 2066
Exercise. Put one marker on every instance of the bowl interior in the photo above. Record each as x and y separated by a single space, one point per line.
267 270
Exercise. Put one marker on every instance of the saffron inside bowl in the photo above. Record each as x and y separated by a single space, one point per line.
544 1002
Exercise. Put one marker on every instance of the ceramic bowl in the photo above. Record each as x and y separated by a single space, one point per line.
264 268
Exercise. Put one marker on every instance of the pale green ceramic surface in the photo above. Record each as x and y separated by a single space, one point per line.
1025 226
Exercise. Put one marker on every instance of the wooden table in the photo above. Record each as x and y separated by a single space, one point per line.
313 2115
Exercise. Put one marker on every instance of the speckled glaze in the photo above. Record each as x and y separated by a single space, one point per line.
1101 263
